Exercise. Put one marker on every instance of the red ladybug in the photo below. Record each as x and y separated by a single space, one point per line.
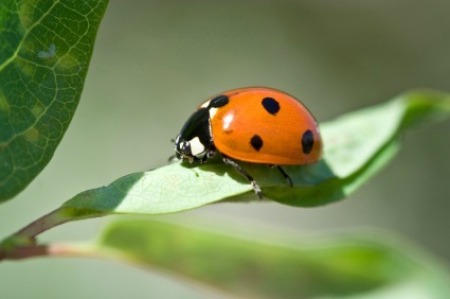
257 125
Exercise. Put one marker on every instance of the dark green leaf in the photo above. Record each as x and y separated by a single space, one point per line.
45 48
344 267
357 145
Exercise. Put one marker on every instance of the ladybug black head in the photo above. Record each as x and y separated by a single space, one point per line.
194 143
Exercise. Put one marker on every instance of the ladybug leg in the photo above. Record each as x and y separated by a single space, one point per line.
285 175
239 169
210 154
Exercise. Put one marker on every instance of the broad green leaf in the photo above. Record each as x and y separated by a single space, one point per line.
45 49
357 145
343 267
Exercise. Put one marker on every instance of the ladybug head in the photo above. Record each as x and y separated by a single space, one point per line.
195 143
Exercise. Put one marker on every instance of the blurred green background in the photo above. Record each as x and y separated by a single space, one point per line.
156 60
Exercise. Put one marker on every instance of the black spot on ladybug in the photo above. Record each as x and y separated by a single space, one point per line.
307 141
271 105
256 142
219 101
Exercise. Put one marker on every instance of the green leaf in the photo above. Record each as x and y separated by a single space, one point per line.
357 145
45 49
343 267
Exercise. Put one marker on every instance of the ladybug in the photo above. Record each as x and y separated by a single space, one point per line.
255 124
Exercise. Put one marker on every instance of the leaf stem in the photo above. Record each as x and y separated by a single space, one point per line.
54 250
43 224
23 243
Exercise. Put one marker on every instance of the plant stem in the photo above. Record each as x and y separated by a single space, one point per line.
42 224
23 243
55 249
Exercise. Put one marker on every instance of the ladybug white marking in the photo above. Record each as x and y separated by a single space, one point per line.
212 112
196 146
205 104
